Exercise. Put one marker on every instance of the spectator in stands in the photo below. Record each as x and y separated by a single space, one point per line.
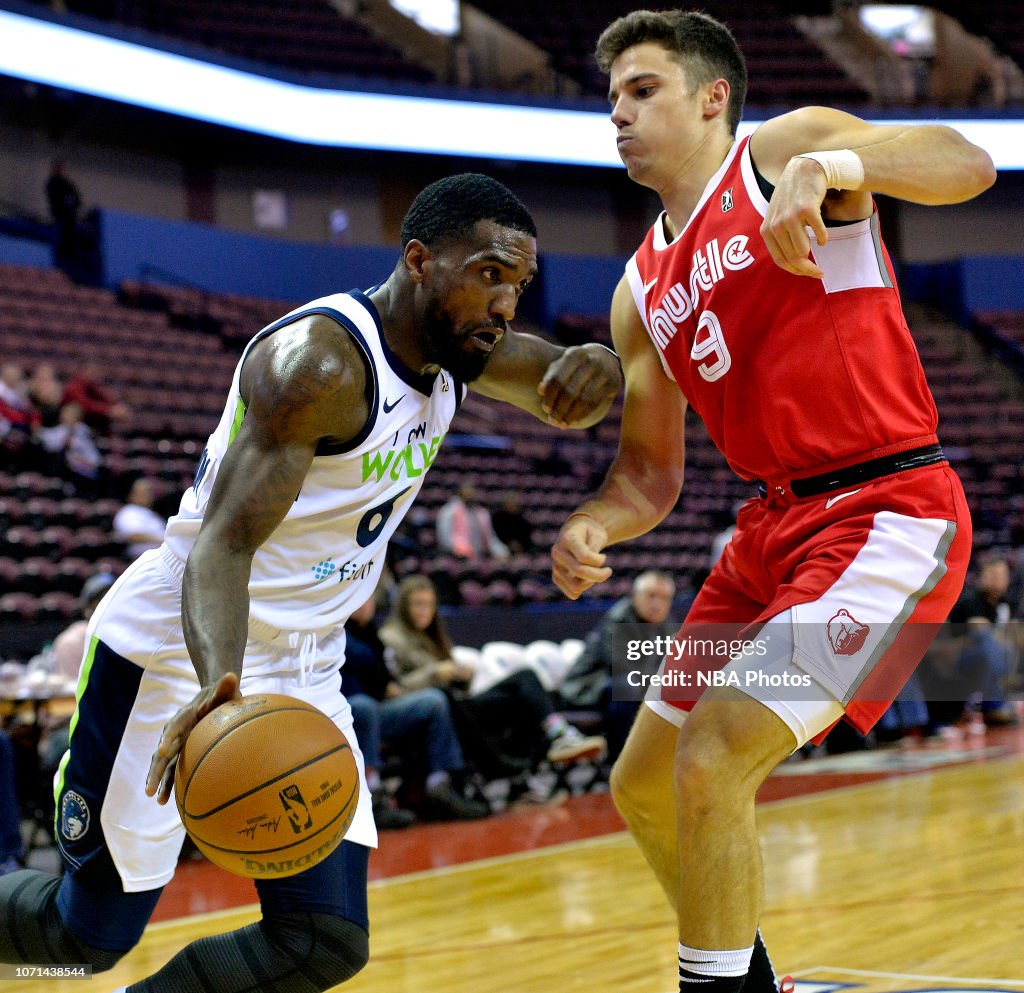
73 452
136 523
517 715
18 418
69 645
65 659
511 525
985 660
100 407
385 713
65 203
46 392
588 685
12 852
464 528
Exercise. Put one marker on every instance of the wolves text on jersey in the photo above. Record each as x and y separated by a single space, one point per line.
411 460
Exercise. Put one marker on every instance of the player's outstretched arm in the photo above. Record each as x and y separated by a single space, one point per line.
302 384
644 480
567 387
927 164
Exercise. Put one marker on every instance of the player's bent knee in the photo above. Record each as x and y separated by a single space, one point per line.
327 950
102 959
646 806
33 931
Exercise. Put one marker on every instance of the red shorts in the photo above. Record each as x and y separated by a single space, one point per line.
869 573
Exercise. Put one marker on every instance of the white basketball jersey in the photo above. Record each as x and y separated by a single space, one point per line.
325 558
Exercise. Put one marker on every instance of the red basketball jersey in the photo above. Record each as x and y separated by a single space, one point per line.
790 374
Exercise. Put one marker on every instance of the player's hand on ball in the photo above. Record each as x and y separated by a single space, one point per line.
577 556
160 781
579 382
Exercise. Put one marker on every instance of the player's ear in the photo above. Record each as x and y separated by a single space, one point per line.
417 259
716 97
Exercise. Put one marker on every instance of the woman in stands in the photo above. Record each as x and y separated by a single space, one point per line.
518 715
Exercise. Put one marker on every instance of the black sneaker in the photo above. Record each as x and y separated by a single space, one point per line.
387 814
444 803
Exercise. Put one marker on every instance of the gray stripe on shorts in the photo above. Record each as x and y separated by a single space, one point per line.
940 570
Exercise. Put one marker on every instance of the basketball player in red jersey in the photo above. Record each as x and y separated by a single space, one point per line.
764 298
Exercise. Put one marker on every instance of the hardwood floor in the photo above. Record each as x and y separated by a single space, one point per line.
907 876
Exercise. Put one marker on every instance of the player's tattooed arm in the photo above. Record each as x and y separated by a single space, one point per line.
302 384
567 387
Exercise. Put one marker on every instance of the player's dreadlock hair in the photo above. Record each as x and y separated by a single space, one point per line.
704 47
448 209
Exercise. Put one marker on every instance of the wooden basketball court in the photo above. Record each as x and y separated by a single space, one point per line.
891 870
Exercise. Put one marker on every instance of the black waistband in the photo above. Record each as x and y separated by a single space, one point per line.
862 472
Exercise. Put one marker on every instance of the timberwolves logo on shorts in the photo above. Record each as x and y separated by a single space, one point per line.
296 809
74 816
846 634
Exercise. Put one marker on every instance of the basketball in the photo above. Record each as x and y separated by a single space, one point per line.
266 786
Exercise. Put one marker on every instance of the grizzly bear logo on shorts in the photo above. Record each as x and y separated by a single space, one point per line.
846 634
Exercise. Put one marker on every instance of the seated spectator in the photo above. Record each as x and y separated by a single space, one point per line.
73 453
588 683
65 659
985 660
136 523
464 528
99 406
511 526
516 717
907 716
12 852
384 713
69 645
46 392
18 418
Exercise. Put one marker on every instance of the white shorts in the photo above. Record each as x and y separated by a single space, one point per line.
140 620
807 710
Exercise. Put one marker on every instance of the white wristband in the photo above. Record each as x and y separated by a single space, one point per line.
843 168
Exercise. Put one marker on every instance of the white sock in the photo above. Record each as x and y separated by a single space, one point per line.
726 962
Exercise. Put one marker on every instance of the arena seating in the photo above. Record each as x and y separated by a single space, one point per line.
784 66
998 20
300 35
312 36
51 539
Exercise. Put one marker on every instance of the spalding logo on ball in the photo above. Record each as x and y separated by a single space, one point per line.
266 786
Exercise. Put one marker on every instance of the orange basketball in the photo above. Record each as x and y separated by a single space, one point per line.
266 786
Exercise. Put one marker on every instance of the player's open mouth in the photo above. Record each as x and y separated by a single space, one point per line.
485 340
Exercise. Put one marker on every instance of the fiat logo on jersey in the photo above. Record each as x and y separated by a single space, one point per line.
846 634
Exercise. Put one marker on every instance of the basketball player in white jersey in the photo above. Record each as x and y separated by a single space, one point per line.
334 416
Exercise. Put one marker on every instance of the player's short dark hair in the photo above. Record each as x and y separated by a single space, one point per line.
448 209
703 46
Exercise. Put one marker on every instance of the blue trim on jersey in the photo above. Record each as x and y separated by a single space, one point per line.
419 382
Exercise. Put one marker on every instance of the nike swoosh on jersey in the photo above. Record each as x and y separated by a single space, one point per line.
647 286
842 496
388 407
